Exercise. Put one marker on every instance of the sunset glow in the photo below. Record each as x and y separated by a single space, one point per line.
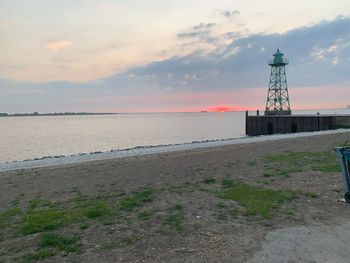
224 109
156 56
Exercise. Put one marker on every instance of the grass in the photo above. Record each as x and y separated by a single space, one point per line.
228 183
41 217
96 210
44 216
268 174
312 194
8 214
293 162
49 219
144 215
221 205
34 203
84 226
256 201
209 180
174 218
66 244
15 201
137 199
221 216
6 217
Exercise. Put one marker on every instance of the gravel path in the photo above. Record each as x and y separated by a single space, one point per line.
325 243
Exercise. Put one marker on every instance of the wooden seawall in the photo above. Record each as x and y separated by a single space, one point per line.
280 124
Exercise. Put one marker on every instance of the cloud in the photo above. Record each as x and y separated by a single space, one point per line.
200 34
228 13
319 57
199 31
204 26
189 34
56 46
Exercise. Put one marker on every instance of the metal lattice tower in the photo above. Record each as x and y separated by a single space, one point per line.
277 102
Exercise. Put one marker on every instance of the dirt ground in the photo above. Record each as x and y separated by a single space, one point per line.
186 219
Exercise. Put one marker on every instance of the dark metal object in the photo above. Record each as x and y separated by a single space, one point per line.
344 155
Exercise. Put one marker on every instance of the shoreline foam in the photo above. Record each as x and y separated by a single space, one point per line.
150 149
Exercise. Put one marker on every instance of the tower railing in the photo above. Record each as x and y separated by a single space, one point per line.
282 61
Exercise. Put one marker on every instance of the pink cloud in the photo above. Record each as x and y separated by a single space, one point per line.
232 100
56 46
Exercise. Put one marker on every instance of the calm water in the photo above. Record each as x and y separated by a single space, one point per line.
34 137
30 137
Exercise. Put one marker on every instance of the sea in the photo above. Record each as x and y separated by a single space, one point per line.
33 137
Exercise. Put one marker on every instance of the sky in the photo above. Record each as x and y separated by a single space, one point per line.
170 55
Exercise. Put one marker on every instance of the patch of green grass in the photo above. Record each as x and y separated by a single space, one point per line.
84 226
35 257
144 215
137 199
15 201
12 212
66 244
312 194
174 218
268 174
227 183
33 204
44 216
256 201
209 180
293 162
221 205
221 216
327 167
96 210
49 219
5 218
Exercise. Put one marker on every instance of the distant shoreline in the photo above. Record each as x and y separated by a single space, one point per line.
35 114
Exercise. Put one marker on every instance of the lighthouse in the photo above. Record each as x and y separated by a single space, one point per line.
277 102
278 118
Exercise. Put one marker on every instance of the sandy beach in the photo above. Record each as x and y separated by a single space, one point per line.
272 201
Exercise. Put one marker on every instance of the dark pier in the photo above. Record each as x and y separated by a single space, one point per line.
278 118
281 124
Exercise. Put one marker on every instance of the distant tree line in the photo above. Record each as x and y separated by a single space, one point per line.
4 114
